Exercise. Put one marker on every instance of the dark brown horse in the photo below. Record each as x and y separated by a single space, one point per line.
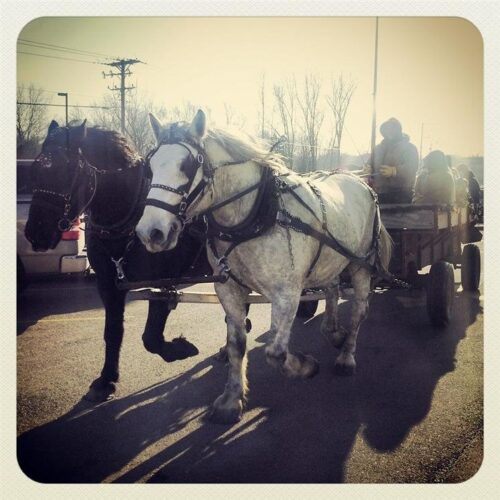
97 171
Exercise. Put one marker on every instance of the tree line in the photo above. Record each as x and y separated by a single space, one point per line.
303 118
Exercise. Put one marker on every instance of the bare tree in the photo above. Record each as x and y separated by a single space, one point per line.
338 101
31 119
285 97
312 117
233 117
137 127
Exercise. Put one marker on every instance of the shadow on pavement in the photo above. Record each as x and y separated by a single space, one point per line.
292 431
43 298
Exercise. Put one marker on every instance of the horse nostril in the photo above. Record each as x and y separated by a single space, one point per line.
156 236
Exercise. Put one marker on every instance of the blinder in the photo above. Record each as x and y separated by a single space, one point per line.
190 167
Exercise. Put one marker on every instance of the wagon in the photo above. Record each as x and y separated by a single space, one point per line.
432 235
423 235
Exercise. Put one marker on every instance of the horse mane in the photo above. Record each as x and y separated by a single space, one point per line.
240 146
111 147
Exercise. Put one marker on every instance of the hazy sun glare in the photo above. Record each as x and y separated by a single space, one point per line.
430 69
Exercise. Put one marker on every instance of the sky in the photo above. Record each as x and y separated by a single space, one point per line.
430 70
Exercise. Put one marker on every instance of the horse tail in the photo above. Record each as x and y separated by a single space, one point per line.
385 248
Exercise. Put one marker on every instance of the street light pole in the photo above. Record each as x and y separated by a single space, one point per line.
65 95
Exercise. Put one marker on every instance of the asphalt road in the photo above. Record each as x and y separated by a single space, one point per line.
412 413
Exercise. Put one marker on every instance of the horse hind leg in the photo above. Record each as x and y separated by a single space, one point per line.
345 364
329 327
228 407
294 365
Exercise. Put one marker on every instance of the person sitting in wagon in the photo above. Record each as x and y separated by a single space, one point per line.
461 189
473 184
435 184
395 163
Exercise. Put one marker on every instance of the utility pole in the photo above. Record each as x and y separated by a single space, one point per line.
123 67
421 139
374 117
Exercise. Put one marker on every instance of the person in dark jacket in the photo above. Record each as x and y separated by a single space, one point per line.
435 183
395 164
474 187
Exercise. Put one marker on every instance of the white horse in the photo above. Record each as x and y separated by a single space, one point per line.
199 171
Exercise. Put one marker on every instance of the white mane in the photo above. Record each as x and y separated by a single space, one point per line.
242 147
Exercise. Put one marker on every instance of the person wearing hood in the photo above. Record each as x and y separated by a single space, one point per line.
473 184
435 184
395 164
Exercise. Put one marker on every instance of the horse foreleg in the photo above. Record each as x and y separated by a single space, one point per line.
104 386
222 354
154 341
345 364
228 407
284 309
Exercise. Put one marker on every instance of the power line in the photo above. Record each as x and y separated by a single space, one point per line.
51 46
62 105
57 92
56 57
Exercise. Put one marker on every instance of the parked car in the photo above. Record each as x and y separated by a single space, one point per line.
68 256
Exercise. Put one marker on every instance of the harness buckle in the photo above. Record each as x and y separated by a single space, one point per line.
119 268
283 218
64 224
182 207
223 265
200 159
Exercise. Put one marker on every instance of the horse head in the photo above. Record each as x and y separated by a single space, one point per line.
58 196
179 167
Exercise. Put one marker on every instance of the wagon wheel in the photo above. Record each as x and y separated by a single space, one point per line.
307 309
471 267
440 293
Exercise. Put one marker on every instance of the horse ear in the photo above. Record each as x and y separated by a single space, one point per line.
198 126
52 126
82 130
156 126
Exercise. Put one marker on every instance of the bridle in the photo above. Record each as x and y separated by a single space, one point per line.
82 166
191 164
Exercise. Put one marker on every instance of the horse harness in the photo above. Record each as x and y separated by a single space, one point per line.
124 227
267 210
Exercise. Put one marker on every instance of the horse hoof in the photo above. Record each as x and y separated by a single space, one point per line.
100 391
314 370
309 367
225 416
344 370
338 337
222 356
178 349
